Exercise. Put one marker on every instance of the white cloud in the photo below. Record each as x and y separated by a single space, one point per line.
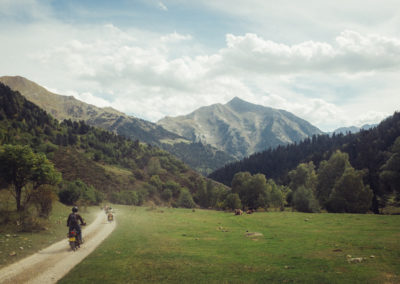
142 73
352 52
162 6
319 20
175 37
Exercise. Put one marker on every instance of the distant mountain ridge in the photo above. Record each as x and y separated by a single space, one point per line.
67 107
353 129
240 128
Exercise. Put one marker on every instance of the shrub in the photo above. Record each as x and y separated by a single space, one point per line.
156 181
72 192
174 187
166 194
185 199
43 199
69 193
304 200
233 201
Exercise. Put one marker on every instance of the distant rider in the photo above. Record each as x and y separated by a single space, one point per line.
72 223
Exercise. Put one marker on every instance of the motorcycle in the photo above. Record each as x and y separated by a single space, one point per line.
73 239
110 217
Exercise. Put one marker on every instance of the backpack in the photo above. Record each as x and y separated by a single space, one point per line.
72 220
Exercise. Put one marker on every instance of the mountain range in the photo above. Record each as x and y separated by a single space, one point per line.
353 129
202 158
205 139
240 128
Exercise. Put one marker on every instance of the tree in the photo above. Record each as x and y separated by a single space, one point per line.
328 173
304 200
69 193
275 195
185 199
157 182
349 193
43 200
21 168
303 175
154 166
201 195
252 190
390 171
232 201
239 180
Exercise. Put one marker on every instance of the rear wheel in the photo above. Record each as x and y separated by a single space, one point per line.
73 246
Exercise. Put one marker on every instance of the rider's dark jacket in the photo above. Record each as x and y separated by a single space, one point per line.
73 219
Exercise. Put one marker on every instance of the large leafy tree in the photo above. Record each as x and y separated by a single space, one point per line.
349 193
25 171
328 173
303 175
305 201
303 182
252 190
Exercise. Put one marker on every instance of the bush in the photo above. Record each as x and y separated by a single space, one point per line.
349 194
233 201
185 199
130 197
29 222
174 187
138 174
166 194
43 199
69 193
156 181
304 200
77 191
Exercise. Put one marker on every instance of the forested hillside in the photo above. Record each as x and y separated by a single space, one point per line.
376 151
123 170
206 159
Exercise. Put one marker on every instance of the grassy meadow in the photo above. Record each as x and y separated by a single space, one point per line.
165 245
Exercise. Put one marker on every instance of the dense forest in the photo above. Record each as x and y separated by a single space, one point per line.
371 150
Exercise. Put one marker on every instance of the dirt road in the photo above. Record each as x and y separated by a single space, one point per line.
52 263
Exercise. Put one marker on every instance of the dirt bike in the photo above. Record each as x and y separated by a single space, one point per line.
110 217
74 240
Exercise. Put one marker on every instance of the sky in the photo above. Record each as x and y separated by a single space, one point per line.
332 63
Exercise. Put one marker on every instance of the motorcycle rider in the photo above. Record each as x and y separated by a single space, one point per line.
72 223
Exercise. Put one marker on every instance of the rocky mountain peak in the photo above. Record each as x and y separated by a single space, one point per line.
240 128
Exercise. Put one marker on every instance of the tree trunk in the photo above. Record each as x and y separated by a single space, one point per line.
18 191
375 205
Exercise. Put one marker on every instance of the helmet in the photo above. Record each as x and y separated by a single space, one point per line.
74 209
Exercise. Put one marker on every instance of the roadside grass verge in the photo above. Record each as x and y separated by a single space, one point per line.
166 245
15 245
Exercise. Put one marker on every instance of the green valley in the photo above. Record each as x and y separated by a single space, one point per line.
164 245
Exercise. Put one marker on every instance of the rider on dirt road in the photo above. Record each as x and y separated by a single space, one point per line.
72 222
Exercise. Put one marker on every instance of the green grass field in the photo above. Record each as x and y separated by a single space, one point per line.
181 246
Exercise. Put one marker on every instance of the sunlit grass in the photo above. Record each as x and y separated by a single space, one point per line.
182 246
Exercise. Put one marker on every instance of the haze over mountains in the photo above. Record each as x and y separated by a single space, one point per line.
240 128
